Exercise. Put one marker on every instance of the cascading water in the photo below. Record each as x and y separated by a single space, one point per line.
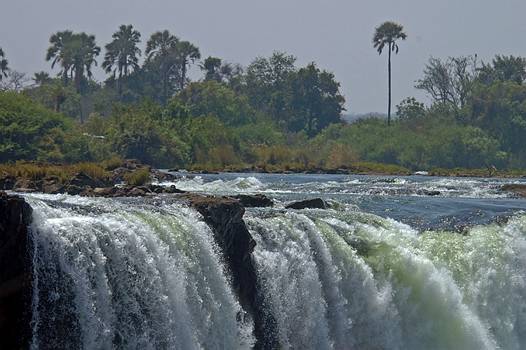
121 274
347 280
110 275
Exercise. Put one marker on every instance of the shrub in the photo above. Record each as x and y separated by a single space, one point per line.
138 177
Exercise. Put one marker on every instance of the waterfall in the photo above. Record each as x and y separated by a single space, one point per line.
139 274
350 280
113 275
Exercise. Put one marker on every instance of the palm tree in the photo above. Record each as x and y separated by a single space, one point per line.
84 53
122 54
41 78
186 54
3 65
160 50
212 68
76 54
60 52
386 35
160 44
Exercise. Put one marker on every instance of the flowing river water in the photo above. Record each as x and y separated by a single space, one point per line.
395 263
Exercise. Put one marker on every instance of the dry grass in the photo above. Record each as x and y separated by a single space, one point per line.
38 171
138 177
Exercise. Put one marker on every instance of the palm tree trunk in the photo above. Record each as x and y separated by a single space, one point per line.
183 75
389 78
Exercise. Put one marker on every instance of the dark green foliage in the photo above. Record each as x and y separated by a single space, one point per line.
273 116
30 131
213 98
316 101
122 53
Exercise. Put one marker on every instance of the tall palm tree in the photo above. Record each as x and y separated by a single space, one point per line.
122 53
160 44
212 68
187 54
160 51
3 65
59 51
386 35
84 53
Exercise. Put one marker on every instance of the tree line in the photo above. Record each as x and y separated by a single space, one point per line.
272 114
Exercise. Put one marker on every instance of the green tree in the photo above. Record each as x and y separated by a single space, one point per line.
212 68
504 68
449 81
3 65
160 56
387 34
316 101
410 109
214 98
76 53
41 78
84 52
187 54
25 126
60 52
268 84
122 53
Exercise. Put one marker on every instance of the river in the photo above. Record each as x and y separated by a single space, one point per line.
396 263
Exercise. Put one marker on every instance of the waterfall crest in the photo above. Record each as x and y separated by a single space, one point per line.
132 275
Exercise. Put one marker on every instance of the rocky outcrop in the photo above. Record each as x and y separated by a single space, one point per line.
7 182
315 203
15 273
225 217
254 200
431 193
129 191
517 189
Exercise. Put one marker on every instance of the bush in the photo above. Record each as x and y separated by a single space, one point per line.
138 177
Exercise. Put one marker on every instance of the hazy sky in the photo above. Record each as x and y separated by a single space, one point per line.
334 33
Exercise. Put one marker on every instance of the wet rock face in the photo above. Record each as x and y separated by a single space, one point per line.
225 217
315 203
129 191
15 273
518 189
254 201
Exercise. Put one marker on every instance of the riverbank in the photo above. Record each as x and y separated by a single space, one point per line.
117 177
360 168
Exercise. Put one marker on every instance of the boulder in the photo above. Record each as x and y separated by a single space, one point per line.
25 185
74 190
253 201
517 189
82 179
15 273
315 203
51 184
162 175
118 174
139 191
7 182
431 193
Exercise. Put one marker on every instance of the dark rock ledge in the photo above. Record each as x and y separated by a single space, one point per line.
15 273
